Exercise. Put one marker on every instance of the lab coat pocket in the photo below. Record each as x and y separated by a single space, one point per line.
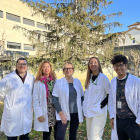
9 114
96 109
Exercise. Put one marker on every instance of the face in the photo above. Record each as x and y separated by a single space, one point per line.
68 70
120 68
21 66
46 69
93 64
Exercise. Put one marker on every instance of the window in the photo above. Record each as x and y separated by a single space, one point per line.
28 22
28 47
49 27
13 45
133 40
12 17
1 14
41 25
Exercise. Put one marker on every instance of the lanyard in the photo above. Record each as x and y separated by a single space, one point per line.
119 91
50 86
95 82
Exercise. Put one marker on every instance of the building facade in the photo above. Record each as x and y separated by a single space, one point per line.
131 41
13 42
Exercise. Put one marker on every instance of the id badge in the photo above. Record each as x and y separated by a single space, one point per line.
51 100
119 104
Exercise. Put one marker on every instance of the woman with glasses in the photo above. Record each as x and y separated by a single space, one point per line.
67 98
96 98
44 110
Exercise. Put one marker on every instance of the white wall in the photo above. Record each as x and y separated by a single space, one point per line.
134 34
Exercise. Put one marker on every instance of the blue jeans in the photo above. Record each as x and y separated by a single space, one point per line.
61 128
46 135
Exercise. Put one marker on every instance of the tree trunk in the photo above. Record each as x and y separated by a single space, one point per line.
135 70
76 6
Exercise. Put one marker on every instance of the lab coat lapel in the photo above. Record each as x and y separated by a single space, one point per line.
127 85
27 78
18 78
66 87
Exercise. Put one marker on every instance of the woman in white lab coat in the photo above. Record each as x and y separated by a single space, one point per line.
67 99
96 98
44 110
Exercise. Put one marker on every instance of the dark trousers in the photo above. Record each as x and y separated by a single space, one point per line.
61 128
46 135
128 129
22 137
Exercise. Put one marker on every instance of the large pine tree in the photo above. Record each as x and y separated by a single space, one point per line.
76 32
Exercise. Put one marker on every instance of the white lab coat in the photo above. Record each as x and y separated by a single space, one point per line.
61 90
40 106
17 97
132 95
94 95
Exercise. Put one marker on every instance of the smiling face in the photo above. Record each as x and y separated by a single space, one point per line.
46 69
93 65
68 70
22 66
120 68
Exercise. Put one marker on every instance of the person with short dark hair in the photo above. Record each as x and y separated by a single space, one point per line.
124 102
16 93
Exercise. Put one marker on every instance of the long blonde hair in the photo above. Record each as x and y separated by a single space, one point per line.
39 72
89 72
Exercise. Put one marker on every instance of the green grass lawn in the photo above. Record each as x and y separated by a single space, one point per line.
81 134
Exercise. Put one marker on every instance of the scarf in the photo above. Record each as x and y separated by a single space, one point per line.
45 80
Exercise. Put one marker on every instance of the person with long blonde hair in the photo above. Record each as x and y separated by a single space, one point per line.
96 98
44 110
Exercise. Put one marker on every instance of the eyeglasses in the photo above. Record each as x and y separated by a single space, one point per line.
68 69
20 64
116 66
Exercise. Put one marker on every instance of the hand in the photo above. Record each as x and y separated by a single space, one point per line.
63 117
139 125
41 119
112 123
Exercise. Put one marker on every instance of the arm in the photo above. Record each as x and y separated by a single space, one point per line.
36 102
81 92
106 88
56 104
3 89
55 101
110 104
110 108
104 102
138 115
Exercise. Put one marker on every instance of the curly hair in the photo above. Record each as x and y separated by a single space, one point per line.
119 58
39 72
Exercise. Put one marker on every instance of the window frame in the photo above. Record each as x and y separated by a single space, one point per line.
9 14
28 20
